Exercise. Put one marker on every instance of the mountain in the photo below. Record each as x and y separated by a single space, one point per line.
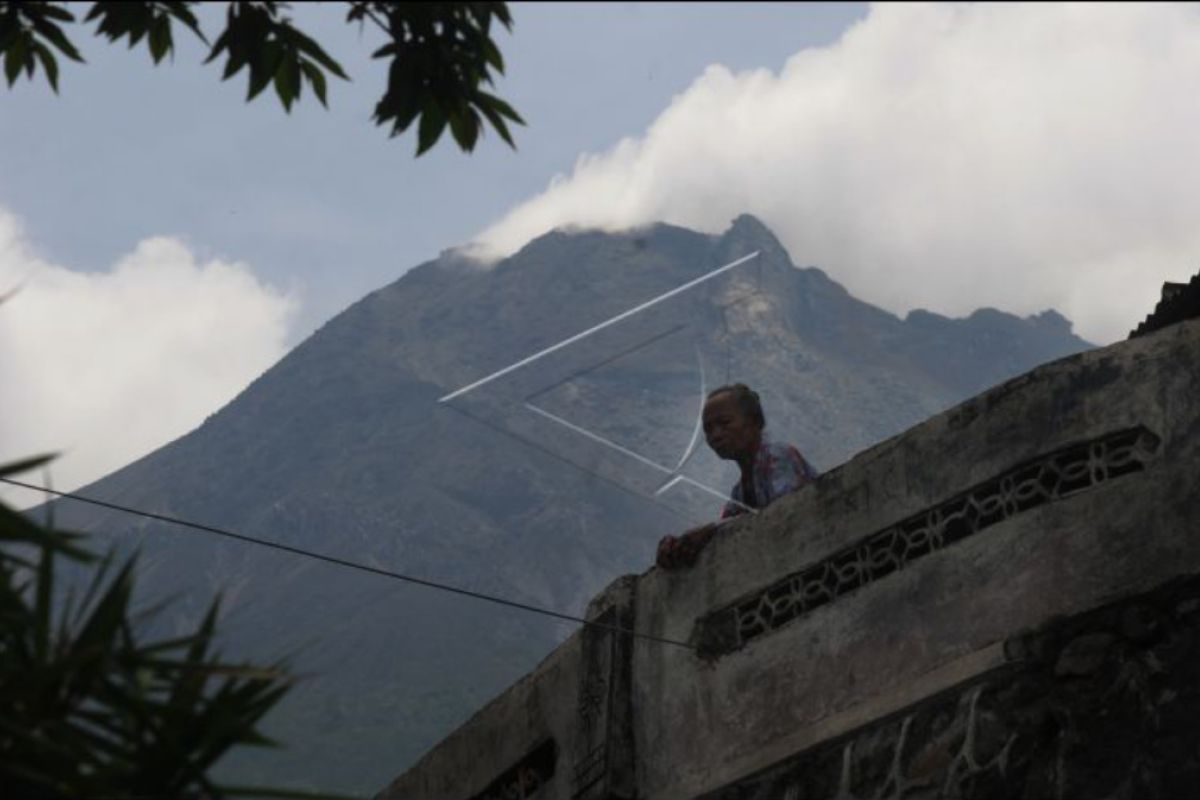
343 448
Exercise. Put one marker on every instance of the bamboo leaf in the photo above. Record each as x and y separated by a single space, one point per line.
45 593
26 464
56 12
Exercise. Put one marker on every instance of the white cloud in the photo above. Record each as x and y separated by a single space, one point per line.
941 156
105 367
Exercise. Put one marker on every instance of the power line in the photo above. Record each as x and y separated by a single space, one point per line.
341 562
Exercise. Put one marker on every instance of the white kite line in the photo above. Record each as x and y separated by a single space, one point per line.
571 340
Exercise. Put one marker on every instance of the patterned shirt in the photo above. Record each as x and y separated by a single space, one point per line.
778 469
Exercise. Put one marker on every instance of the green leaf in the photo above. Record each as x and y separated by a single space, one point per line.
498 124
160 39
57 38
48 63
287 81
221 44
45 593
309 47
464 129
17 529
316 79
96 714
433 121
237 60
181 12
189 690
26 464
135 34
103 624
260 78
489 100
391 48
491 54
14 59
56 12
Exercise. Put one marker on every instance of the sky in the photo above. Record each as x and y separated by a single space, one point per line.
169 242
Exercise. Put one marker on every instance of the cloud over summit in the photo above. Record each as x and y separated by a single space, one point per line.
946 156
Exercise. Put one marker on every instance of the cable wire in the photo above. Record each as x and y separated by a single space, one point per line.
341 562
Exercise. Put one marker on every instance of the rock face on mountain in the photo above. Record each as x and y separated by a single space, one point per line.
343 448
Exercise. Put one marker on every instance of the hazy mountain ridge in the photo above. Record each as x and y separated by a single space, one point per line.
342 448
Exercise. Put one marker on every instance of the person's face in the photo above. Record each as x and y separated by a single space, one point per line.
728 430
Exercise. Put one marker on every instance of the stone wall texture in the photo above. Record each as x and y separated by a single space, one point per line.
1101 705
1001 602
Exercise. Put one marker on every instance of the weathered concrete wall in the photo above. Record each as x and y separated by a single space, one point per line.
564 730
1105 704
933 621
896 578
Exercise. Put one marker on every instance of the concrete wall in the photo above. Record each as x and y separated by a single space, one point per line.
897 577
1103 704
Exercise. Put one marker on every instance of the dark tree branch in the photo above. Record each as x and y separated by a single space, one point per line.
439 54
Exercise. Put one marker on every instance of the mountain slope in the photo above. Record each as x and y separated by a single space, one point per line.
342 448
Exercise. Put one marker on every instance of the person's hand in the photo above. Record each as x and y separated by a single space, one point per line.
696 540
668 552
682 551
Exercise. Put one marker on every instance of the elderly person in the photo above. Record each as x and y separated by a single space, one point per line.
733 427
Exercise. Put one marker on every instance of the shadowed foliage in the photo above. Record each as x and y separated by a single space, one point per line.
91 707
440 55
